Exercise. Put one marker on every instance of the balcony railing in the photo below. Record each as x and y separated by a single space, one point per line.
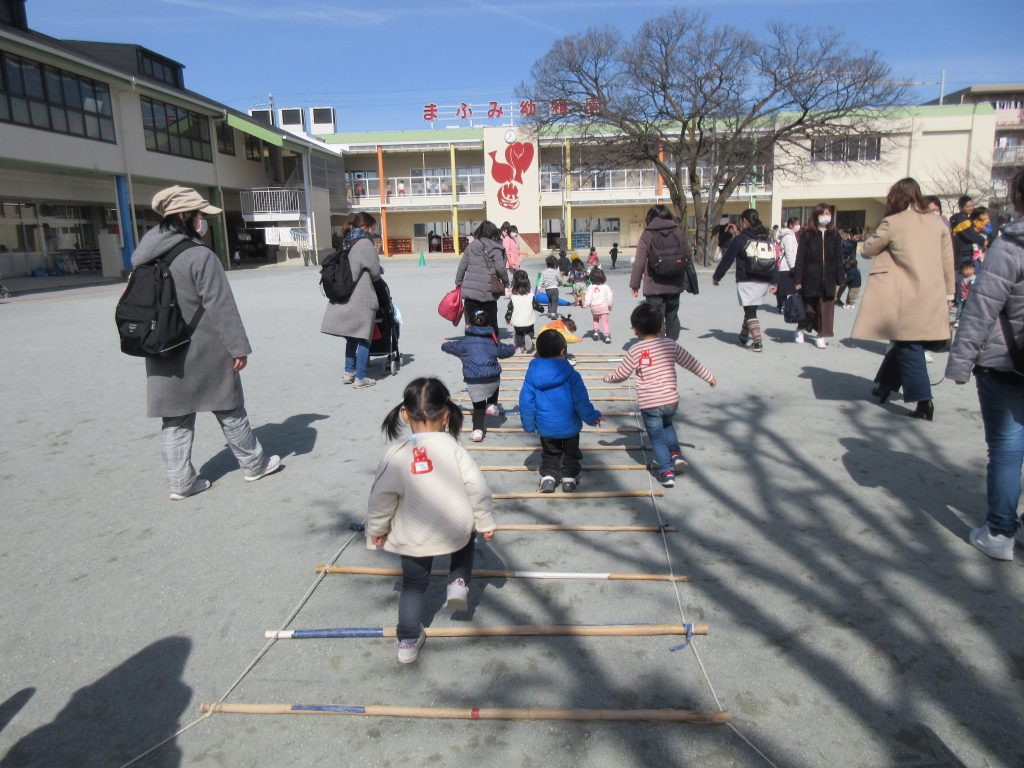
636 178
1008 156
402 188
273 202
1009 117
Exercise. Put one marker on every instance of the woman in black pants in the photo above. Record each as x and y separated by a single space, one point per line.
481 264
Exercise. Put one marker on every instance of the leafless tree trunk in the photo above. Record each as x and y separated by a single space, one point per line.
709 107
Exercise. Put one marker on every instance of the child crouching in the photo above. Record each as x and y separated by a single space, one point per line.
653 359
479 351
428 495
554 403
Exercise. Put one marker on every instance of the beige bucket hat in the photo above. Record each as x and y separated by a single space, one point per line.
177 199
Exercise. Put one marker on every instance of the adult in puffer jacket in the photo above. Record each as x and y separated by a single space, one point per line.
663 235
981 347
484 258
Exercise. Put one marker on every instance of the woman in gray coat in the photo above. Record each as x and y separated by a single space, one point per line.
203 376
992 320
484 258
354 319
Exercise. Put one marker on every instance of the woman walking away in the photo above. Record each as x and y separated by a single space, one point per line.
203 375
353 320
909 291
482 273
599 298
479 351
427 497
991 336
819 272
522 313
755 262
660 265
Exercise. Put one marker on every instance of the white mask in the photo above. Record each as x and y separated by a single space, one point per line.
514 235
203 228
796 228
824 221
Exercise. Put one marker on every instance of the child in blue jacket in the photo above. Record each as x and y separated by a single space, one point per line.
479 351
554 403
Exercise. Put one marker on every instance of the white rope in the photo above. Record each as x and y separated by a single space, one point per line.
252 664
679 600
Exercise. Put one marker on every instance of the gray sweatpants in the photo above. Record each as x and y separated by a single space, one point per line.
176 445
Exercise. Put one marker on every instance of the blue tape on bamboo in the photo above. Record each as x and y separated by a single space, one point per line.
328 708
686 642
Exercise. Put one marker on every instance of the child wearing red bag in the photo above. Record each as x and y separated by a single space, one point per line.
428 495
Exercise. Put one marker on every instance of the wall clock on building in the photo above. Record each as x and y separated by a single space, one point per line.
510 137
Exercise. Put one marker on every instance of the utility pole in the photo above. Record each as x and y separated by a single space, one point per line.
942 88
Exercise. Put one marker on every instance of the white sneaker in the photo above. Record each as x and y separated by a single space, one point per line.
270 466
348 378
478 435
995 545
929 357
201 484
493 410
820 343
408 650
361 383
458 596
798 337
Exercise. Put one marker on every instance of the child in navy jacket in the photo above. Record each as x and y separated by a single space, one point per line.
554 403
479 351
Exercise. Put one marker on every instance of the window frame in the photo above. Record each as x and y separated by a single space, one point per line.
55 103
175 131
850 149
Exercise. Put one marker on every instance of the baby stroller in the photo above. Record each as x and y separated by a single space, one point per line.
386 328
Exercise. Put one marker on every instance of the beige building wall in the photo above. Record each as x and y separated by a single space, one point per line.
511 156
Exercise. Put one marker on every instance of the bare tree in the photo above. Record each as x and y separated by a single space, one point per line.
711 107
976 180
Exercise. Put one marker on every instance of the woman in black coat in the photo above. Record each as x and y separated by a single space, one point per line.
819 272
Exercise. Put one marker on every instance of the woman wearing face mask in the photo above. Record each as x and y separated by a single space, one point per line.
510 241
354 319
203 376
819 271
752 289
908 294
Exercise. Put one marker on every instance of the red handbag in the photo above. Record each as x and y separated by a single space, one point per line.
451 306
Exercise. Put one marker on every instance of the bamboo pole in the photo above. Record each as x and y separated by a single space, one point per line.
657 492
557 527
484 573
616 430
589 389
599 398
693 716
519 630
529 448
597 467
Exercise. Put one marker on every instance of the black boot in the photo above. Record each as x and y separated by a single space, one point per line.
882 393
925 410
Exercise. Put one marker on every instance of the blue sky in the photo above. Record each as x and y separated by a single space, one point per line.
378 63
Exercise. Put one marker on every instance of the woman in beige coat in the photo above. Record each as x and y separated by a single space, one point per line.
908 293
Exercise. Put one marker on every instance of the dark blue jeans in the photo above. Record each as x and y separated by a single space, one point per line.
1002 411
662 434
668 305
904 366
416 579
357 355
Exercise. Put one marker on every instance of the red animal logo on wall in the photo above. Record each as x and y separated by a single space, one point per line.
518 157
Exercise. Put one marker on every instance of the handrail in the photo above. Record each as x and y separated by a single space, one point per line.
272 200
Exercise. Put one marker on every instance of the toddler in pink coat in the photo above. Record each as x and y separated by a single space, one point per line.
599 298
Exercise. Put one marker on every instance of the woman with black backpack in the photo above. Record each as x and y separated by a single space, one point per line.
754 255
662 253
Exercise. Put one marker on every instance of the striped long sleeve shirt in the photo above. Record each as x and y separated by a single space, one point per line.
654 362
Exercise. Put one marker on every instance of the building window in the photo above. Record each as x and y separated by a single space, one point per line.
40 96
160 69
172 130
225 138
855 149
253 150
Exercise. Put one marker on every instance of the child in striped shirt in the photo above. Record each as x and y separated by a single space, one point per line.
653 358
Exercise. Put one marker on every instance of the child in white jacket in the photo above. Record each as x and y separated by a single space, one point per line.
599 298
427 497
521 313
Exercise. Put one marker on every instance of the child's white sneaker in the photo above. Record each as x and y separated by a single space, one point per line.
608 339
478 435
547 484
798 337
408 650
493 410
458 596
568 485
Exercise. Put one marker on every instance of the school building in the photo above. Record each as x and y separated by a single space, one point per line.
90 131
445 182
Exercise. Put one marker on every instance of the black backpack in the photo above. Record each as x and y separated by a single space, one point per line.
336 280
665 259
147 316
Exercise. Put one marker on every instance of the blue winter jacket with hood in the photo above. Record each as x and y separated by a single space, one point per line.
479 353
554 401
